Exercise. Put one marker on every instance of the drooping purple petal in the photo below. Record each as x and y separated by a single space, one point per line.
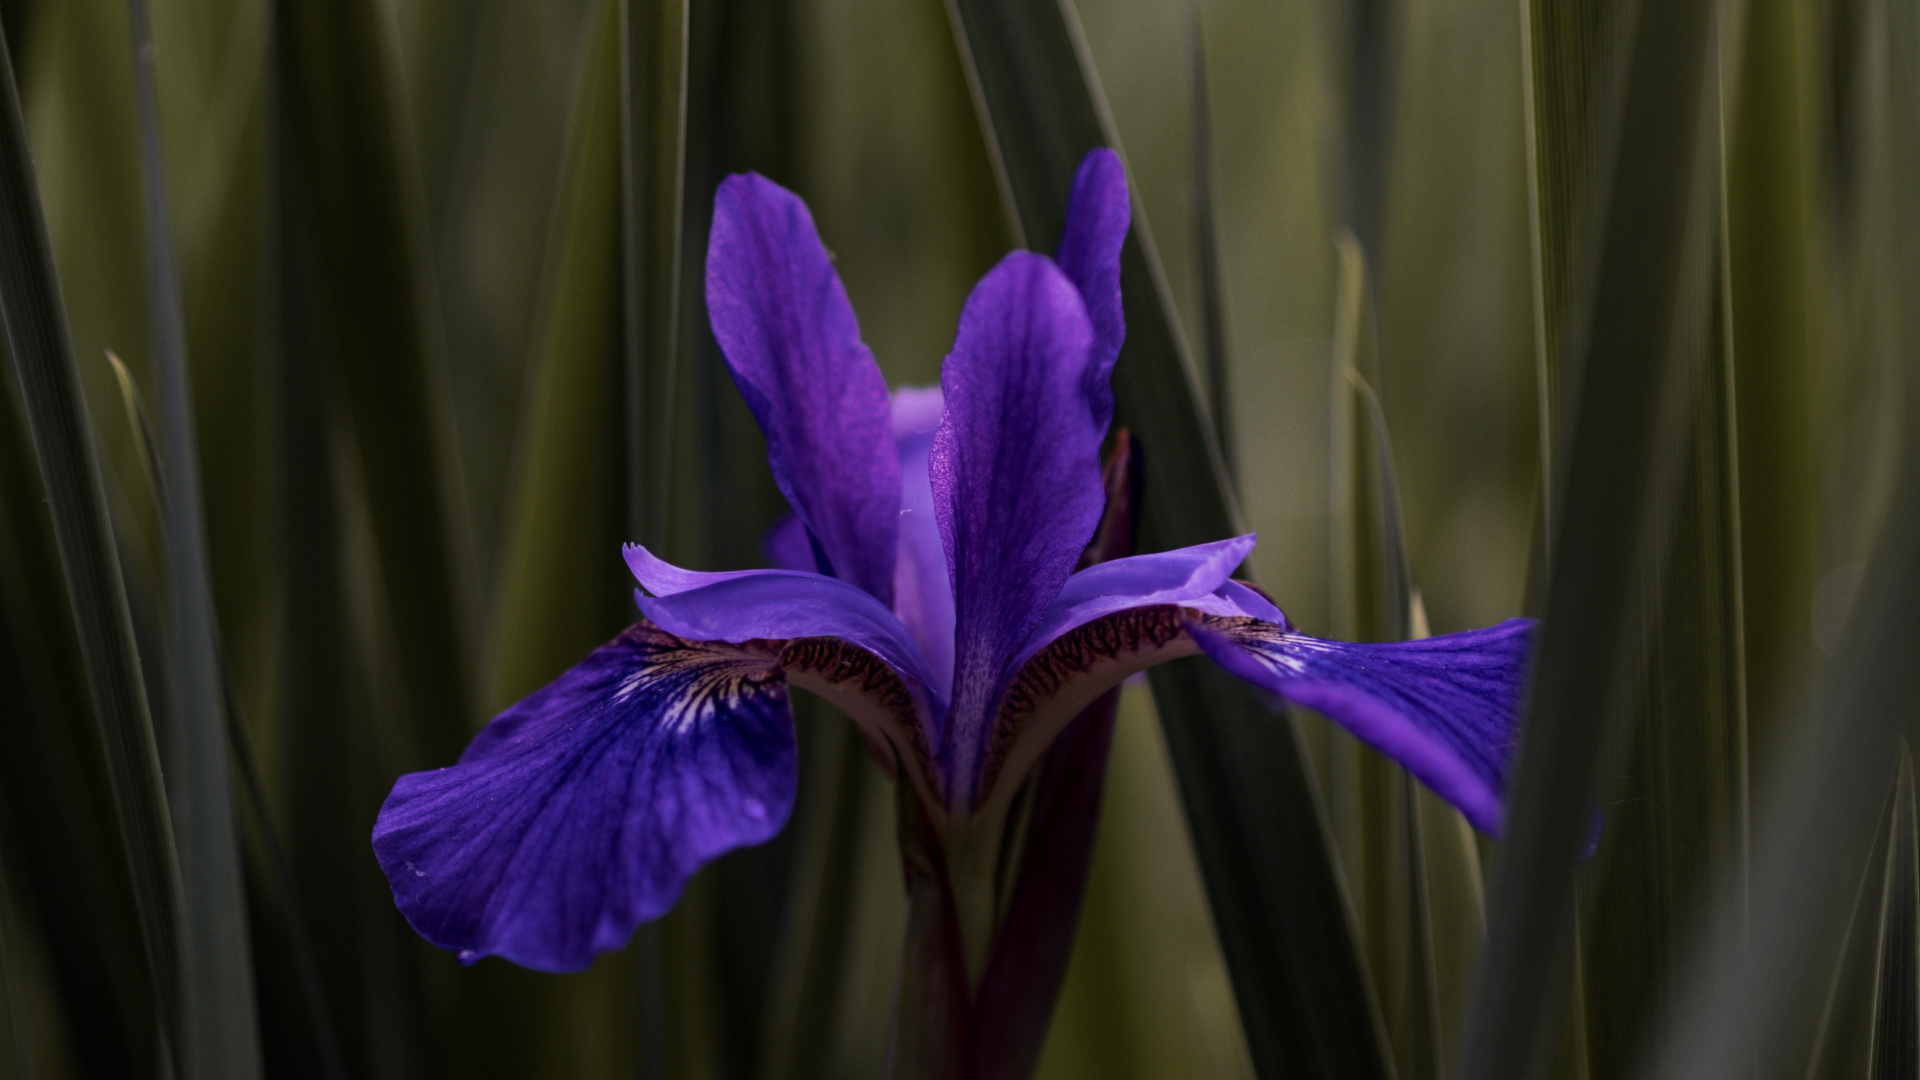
749 605
1446 708
1185 576
579 813
790 337
922 594
1016 477
1089 254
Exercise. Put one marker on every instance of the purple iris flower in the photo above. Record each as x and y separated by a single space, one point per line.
931 594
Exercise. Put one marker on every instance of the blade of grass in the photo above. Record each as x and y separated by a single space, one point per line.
376 321
57 418
1896 1010
1377 811
1256 820
1644 305
277 868
71 865
1843 1035
1677 813
1770 213
562 587
220 1034
1206 243
1740 1009
653 150
1746 984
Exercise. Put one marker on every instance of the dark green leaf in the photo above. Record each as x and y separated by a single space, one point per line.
1632 362
219 1033
62 435
374 323
1896 1007
1206 242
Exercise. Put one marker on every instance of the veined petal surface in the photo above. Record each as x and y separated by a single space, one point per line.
1016 477
580 812
1183 576
1098 214
790 337
1446 708
752 605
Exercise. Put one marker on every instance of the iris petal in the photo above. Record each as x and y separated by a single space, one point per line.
790 337
923 594
1015 474
579 813
1089 254
750 605
1183 576
1446 708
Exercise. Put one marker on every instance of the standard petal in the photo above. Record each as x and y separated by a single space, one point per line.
1089 253
1188 575
789 335
1016 476
922 592
787 546
1446 708
580 813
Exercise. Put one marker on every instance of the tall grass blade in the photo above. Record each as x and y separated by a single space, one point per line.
1896 1008
1649 302
562 588
1380 819
1748 980
220 1034
277 868
62 434
1771 240
1257 825
1843 1029
71 866
653 148
280 871
1808 846
375 315
1206 243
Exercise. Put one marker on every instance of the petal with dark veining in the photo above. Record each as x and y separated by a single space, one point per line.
1015 475
579 813
1446 708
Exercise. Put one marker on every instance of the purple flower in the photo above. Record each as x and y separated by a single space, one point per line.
931 593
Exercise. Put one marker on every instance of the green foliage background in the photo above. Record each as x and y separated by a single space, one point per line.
1603 311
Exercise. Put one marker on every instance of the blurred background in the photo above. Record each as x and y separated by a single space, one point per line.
407 241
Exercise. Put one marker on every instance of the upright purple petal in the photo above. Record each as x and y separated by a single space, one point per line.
1089 253
579 813
1016 477
1446 708
789 335
787 546
922 592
